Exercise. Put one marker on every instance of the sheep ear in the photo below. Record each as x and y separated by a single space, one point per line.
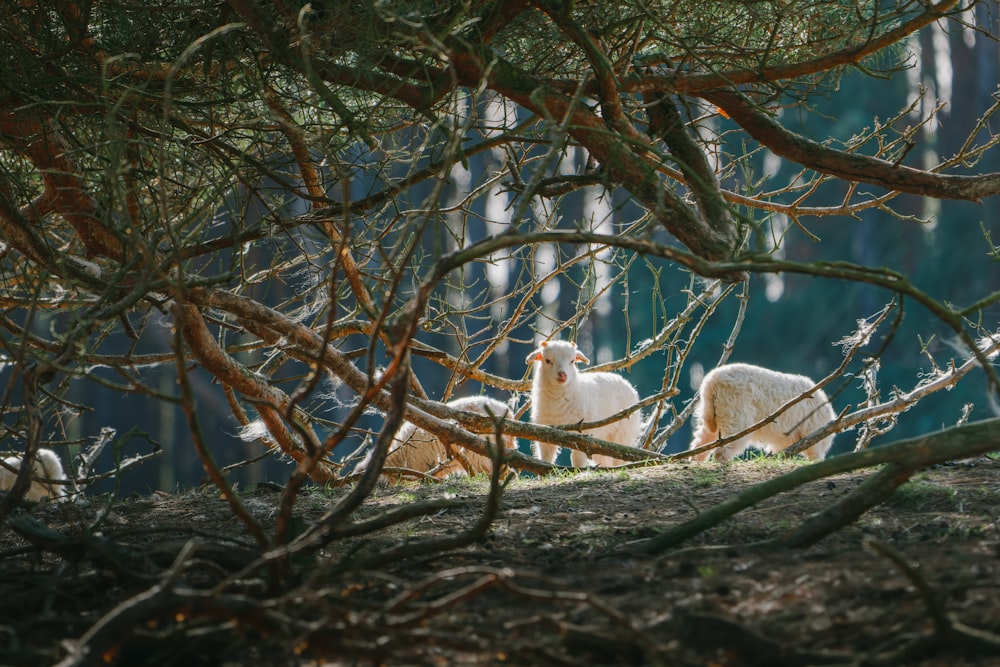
581 357
534 356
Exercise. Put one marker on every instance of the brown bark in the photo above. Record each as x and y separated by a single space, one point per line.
695 83
849 166
269 324
624 162
65 193
271 403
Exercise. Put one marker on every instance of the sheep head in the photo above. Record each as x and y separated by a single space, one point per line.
558 361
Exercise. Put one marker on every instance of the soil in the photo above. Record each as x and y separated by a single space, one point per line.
557 579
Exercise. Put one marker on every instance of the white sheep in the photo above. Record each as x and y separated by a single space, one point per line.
737 396
414 448
561 395
46 467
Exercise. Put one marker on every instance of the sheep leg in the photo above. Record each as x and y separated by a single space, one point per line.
578 458
545 451
607 461
703 436
818 451
731 451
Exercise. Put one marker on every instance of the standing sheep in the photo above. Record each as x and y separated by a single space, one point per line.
414 448
560 394
46 467
737 396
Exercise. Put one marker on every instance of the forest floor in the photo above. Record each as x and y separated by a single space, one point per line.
557 579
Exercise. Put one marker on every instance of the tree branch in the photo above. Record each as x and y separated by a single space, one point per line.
958 442
848 166
695 82
35 137
625 159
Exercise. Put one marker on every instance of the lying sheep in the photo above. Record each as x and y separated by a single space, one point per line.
561 395
737 396
414 448
46 467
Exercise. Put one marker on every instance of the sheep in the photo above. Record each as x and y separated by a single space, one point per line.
414 448
46 467
560 394
734 397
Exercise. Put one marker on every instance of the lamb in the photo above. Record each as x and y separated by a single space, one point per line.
734 397
560 394
414 448
46 467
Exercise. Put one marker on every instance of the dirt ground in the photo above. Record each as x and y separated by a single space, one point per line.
557 580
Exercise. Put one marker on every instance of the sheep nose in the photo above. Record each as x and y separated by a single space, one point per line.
561 376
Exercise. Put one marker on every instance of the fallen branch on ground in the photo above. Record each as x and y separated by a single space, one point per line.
958 442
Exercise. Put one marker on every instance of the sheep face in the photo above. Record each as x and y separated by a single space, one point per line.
557 362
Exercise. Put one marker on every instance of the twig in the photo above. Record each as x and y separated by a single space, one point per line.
189 316
473 534
900 402
87 457
663 438
102 643
859 340
33 377
324 529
